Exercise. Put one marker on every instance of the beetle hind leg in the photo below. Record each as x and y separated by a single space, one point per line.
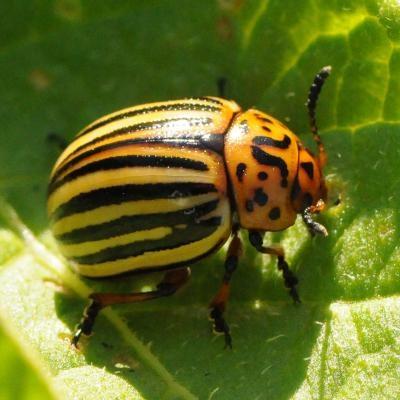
219 302
171 282
289 277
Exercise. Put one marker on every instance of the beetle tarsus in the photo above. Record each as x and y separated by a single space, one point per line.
289 279
76 337
220 325
86 325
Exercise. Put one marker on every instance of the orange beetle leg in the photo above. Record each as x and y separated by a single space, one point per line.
171 282
218 304
289 277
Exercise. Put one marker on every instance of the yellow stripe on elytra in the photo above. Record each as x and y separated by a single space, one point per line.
81 249
129 208
154 259
123 176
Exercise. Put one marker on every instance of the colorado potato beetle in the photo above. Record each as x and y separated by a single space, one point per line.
162 185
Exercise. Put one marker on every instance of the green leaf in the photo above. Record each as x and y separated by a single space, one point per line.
65 62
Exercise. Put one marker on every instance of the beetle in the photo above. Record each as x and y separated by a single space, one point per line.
162 185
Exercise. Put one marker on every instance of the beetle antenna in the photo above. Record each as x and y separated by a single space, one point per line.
311 104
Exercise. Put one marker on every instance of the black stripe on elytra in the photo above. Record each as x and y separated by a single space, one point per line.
179 237
146 110
309 168
114 163
267 141
214 142
240 170
170 123
132 223
265 158
120 194
165 267
206 98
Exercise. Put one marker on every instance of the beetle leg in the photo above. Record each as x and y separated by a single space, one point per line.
314 227
289 277
171 282
218 304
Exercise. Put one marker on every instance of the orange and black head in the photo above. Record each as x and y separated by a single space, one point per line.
273 176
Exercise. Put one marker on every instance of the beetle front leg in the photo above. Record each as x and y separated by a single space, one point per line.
289 277
313 226
171 282
218 304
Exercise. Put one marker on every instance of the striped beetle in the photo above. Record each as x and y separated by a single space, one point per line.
162 185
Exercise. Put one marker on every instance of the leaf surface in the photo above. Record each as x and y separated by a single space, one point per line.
66 62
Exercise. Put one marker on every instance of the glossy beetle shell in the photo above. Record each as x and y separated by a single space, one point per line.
155 186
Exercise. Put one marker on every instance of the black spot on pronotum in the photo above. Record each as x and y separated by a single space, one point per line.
263 119
275 213
240 170
260 197
262 176
265 128
309 168
265 158
249 205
